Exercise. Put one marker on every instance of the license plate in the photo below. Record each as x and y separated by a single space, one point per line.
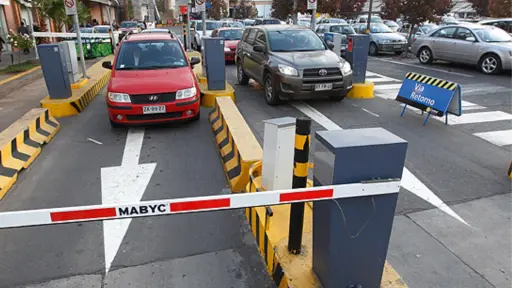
153 109
397 46
322 87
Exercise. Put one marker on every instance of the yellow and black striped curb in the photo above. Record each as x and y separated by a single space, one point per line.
510 170
83 96
237 146
21 143
269 226
431 81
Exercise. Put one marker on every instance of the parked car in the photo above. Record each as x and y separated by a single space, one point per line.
332 20
231 38
291 62
423 29
152 81
197 31
101 29
364 19
304 23
382 39
487 47
248 22
503 23
391 24
266 21
156 30
343 29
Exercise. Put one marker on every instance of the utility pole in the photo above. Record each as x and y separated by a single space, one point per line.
295 15
369 17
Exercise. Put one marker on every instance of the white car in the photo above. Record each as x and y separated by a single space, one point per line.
197 31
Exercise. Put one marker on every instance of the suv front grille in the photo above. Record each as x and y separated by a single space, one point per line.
315 72
145 98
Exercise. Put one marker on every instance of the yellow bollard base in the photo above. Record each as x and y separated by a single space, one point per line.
208 96
361 91
81 83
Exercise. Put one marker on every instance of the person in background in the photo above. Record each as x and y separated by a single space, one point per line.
23 30
2 42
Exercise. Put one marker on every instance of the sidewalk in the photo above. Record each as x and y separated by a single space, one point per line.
17 103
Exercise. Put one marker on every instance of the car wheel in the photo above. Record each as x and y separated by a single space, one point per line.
374 50
271 95
115 124
340 97
240 74
490 64
398 53
425 56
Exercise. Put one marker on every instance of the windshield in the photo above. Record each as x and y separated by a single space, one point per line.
343 29
304 23
334 20
152 54
428 28
231 34
128 25
236 25
85 30
102 29
380 28
271 21
391 24
491 35
294 40
209 26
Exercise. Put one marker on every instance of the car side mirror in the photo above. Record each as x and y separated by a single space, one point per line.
194 61
259 48
107 65
330 45
471 39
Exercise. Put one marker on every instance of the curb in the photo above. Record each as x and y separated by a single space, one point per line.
19 75
79 84
81 97
21 143
510 171
238 147
269 226
361 91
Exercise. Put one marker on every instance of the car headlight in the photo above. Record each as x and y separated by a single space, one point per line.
119 97
384 41
186 93
287 70
345 68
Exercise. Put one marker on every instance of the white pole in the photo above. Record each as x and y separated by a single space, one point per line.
80 47
31 20
313 20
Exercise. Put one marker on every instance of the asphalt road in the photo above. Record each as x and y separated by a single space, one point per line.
455 211
193 250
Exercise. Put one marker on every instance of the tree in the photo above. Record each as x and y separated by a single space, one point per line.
343 8
391 9
281 9
129 9
254 10
500 8
481 7
244 9
218 9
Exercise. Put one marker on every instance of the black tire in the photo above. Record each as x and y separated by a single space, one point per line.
490 64
115 124
340 97
242 78
425 56
398 53
374 50
271 97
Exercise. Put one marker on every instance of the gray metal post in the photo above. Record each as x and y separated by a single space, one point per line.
111 28
80 47
203 17
369 16
313 20
31 20
189 36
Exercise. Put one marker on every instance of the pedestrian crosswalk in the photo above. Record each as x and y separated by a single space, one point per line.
472 113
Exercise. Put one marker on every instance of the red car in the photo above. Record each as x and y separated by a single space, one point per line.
152 81
231 36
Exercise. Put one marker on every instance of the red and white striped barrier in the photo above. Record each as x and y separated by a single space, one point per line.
192 204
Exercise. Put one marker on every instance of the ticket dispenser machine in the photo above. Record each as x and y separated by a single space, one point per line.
214 65
55 70
357 55
336 40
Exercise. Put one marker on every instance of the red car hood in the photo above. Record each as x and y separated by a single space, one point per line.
231 43
151 81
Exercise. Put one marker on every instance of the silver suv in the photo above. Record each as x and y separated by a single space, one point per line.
291 62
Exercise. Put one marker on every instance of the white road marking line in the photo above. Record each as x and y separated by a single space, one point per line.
370 112
467 103
94 141
380 79
477 117
387 87
388 94
409 181
125 183
499 138
423 67
471 108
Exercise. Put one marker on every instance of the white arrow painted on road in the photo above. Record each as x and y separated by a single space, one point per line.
125 183
409 181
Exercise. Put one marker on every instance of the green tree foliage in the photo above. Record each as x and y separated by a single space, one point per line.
129 9
337 8
218 10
